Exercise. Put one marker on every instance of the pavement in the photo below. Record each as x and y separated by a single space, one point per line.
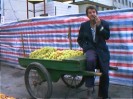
12 84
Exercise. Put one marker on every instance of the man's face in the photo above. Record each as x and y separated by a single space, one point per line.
91 14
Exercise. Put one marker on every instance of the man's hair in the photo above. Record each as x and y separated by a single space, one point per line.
90 7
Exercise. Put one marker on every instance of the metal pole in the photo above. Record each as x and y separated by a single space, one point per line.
55 10
34 9
44 7
27 9
69 37
22 39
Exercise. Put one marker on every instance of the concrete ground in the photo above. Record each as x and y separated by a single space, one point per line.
12 84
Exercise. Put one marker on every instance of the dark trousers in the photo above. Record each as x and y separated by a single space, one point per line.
92 64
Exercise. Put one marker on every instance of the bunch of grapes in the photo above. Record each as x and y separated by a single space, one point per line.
54 54
42 53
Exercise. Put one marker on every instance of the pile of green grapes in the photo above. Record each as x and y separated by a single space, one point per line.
51 53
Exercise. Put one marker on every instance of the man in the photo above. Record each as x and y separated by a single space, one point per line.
91 39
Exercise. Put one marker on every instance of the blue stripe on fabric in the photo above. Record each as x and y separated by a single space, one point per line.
20 50
41 44
127 58
124 47
127 71
38 35
10 56
11 36
33 28
12 50
119 35
27 51
121 23
9 62
42 27
120 81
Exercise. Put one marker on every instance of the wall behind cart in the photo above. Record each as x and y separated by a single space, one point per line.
18 39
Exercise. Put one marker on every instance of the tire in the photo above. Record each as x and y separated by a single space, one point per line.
38 81
72 81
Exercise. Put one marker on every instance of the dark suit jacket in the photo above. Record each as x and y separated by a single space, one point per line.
85 40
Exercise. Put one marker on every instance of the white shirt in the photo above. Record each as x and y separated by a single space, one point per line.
93 32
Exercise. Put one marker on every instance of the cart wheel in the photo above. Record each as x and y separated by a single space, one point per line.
73 81
38 81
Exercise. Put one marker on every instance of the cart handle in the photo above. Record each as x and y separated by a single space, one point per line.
90 73
113 68
98 74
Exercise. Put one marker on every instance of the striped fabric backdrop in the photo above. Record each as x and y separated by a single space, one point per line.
19 38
